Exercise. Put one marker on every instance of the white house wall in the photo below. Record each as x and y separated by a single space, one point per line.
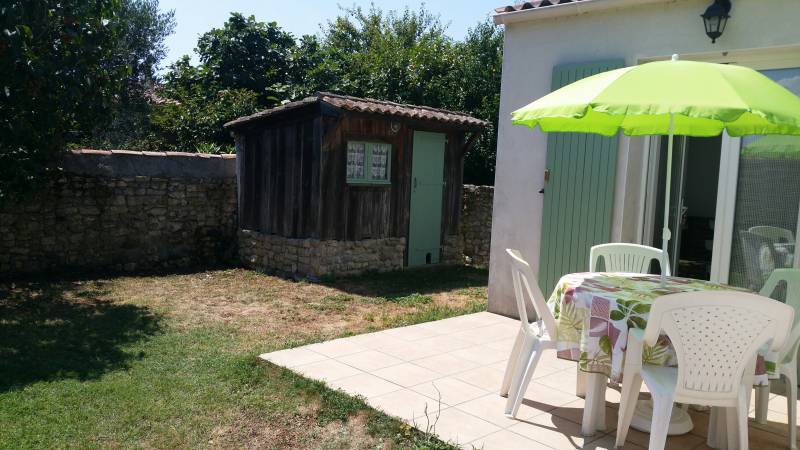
533 48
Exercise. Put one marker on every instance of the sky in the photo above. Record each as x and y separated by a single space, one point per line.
195 17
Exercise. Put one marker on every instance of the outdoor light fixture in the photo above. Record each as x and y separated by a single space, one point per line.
715 18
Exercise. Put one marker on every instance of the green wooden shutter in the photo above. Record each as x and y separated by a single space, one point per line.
579 192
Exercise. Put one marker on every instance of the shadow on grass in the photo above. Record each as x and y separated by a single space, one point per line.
59 330
403 283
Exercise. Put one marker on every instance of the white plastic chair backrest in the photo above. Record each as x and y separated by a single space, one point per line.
632 258
525 283
716 335
775 234
789 279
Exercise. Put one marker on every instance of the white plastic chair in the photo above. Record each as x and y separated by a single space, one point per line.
716 336
787 357
631 258
532 338
620 257
775 234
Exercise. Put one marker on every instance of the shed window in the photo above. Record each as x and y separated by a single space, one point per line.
368 162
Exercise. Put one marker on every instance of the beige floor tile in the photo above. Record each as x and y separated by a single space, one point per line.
485 377
500 332
554 431
492 407
681 442
563 381
776 423
442 344
477 336
573 411
507 440
408 351
373 340
504 345
481 354
365 385
546 398
407 374
460 428
779 404
336 348
446 363
450 390
369 360
607 443
293 357
407 405
328 370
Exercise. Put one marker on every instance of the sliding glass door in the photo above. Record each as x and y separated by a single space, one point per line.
763 198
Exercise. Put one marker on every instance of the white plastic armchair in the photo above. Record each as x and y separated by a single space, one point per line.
775 234
632 258
532 338
716 336
787 357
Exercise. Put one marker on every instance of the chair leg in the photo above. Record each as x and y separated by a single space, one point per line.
740 420
762 402
511 365
790 374
631 385
521 384
662 411
580 383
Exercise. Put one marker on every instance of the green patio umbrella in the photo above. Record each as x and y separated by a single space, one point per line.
773 147
667 98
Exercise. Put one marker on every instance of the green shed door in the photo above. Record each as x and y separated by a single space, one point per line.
578 190
427 170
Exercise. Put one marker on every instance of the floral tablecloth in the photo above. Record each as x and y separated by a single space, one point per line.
594 311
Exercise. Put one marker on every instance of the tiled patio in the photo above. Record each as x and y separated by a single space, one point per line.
449 372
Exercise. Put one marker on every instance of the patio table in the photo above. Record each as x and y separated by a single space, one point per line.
593 312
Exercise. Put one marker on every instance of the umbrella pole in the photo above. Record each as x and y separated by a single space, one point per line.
665 234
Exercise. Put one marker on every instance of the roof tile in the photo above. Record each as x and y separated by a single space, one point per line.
533 5
368 105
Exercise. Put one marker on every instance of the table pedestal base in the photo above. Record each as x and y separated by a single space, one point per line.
679 422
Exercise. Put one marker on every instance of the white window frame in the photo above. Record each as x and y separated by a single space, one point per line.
369 147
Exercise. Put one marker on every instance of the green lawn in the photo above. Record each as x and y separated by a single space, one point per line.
170 361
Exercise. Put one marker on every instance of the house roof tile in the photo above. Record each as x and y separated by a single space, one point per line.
533 5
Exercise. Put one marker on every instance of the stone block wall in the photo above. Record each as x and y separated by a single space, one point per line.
124 211
475 228
315 258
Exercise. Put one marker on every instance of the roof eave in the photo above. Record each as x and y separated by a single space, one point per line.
568 9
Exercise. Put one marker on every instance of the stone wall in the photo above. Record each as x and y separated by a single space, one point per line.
475 228
121 210
315 258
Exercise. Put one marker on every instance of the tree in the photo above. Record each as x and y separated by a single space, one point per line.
57 78
141 48
400 57
247 54
480 59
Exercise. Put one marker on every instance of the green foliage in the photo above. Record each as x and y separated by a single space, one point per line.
65 67
247 54
406 57
196 118
53 79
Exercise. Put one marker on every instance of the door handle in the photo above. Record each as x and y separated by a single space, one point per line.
415 182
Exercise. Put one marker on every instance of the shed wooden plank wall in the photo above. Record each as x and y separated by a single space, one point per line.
280 178
294 185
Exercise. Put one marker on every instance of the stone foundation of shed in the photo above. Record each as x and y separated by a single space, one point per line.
316 258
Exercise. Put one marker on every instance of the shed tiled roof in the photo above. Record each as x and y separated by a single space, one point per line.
369 105
533 5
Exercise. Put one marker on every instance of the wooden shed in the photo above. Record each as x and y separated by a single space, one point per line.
333 184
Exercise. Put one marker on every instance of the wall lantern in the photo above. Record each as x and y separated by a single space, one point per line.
715 18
